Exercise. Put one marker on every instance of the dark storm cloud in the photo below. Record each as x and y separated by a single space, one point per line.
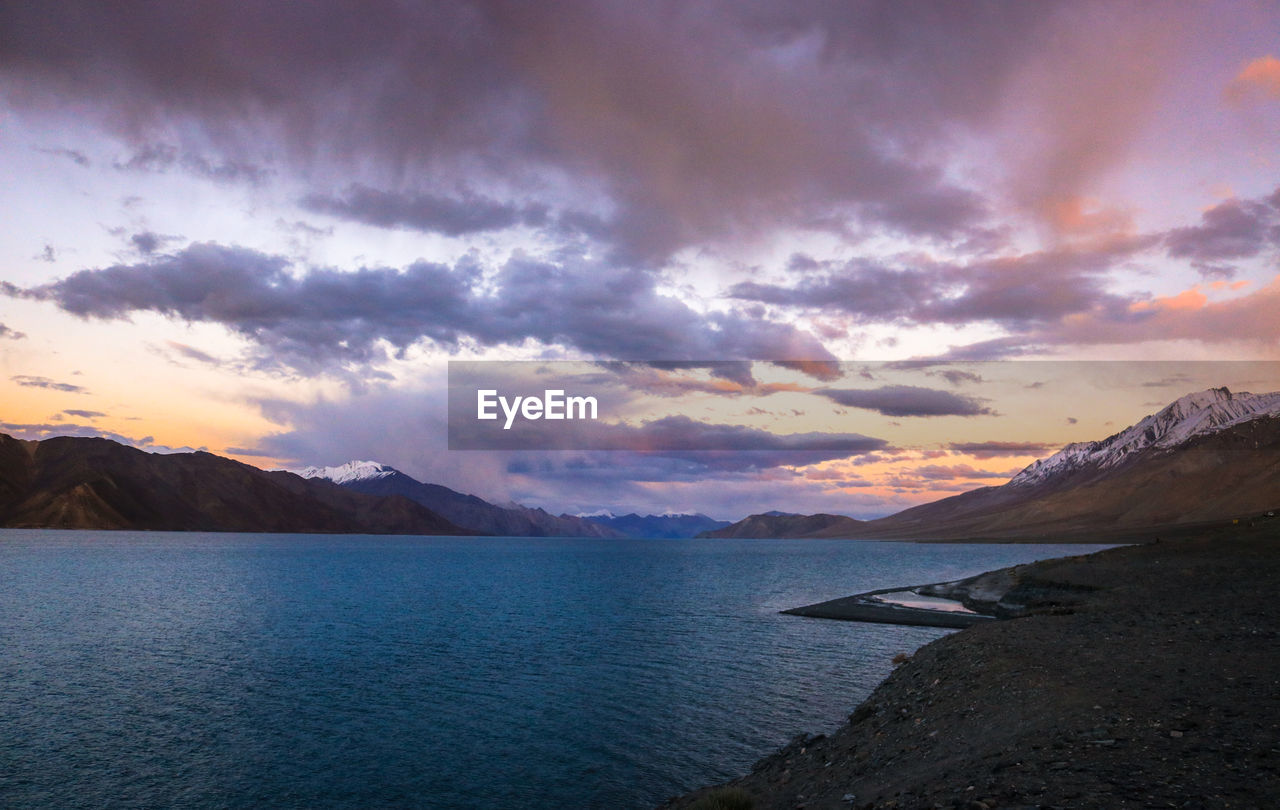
1234 229
985 450
1013 291
907 400
862 289
425 212
696 122
617 312
307 322
322 318
45 382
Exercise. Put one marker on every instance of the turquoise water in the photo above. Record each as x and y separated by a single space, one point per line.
245 670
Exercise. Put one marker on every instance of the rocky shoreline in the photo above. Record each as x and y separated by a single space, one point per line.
1142 676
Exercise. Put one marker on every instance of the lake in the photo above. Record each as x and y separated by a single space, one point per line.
254 670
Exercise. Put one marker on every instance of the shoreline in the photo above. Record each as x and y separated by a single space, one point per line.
1137 676
865 607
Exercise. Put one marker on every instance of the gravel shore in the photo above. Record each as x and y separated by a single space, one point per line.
1148 676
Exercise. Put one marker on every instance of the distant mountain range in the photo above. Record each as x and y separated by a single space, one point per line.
512 520
80 483
1210 455
781 524
658 526
1207 456
373 478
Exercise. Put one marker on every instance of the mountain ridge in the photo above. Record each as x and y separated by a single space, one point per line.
69 482
1197 414
1209 455
665 526
470 511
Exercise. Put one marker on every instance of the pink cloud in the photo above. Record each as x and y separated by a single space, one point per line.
1259 77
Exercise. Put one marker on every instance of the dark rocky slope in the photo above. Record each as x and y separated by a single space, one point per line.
81 483
1150 681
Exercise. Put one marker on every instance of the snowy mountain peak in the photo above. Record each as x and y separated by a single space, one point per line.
1196 414
346 473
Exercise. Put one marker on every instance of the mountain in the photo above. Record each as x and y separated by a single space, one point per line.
660 526
1199 414
781 524
1208 456
477 514
82 483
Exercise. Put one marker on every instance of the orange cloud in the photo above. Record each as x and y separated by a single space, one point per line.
1250 318
1186 300
1229 285
1074 215
1262 75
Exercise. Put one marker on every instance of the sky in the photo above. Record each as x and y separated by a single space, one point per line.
266 229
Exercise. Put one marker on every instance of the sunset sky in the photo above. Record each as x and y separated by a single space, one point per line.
263 229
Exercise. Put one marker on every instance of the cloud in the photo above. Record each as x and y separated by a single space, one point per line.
192 353
248 451
907 400
1175 380
84 414
7 333
148 242
1187 316
685 125
1073 119
1260 77
941 472
1015 291
73 155
162 157
455 216
1234 229
997 449
45 382
322 319
41 432
957 377
672 436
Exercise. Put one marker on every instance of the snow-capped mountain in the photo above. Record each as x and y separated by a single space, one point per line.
1193 415
347 473
468 511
